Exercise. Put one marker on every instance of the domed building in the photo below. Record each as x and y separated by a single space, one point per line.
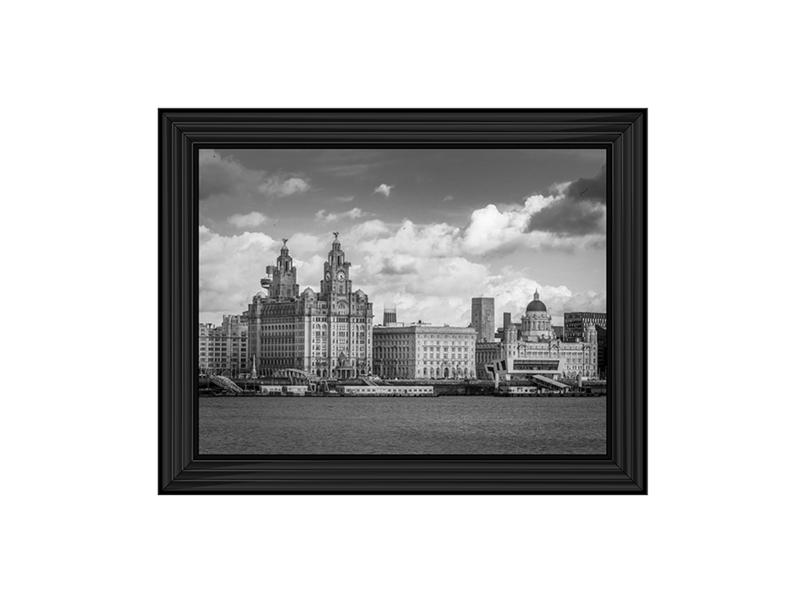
530 350
537 325
325 333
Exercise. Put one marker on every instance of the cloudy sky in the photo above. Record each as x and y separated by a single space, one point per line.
426 230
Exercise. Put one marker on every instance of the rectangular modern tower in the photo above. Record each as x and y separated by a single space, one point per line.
483 318
389 315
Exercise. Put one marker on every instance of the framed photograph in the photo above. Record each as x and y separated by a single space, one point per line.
402 301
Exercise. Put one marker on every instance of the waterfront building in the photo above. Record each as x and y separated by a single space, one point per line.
423 351
324 334
576 323
602 352
223 349
485 355
530 348
483 318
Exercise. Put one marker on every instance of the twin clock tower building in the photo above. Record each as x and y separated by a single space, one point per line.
325 333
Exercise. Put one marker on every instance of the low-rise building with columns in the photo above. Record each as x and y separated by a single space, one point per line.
423 351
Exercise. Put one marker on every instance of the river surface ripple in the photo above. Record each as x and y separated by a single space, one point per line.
442 425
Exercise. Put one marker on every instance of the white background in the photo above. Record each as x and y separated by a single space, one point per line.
82 83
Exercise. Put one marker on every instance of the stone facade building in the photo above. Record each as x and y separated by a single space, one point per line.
422 351
325 333
531 348
223 349
576 323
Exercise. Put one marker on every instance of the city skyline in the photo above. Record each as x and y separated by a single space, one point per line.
426 231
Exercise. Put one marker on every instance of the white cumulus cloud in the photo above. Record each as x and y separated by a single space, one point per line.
352 214
423 268
280 185
255 218
500 230
384 189
229 270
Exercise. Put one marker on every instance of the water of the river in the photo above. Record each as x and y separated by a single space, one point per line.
442 425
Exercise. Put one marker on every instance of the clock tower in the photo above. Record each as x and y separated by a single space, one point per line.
336 271
281 278
326 334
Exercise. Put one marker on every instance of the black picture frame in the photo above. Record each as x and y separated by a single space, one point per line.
622 132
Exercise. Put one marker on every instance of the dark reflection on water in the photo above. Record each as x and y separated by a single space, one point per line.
443 425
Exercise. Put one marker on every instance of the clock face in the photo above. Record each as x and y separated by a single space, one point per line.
327 276
341 276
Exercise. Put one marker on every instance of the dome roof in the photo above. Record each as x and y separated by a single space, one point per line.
536 306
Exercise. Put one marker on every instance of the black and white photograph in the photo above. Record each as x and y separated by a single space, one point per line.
422 302
402 301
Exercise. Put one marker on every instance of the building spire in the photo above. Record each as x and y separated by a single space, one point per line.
535 294
280 279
